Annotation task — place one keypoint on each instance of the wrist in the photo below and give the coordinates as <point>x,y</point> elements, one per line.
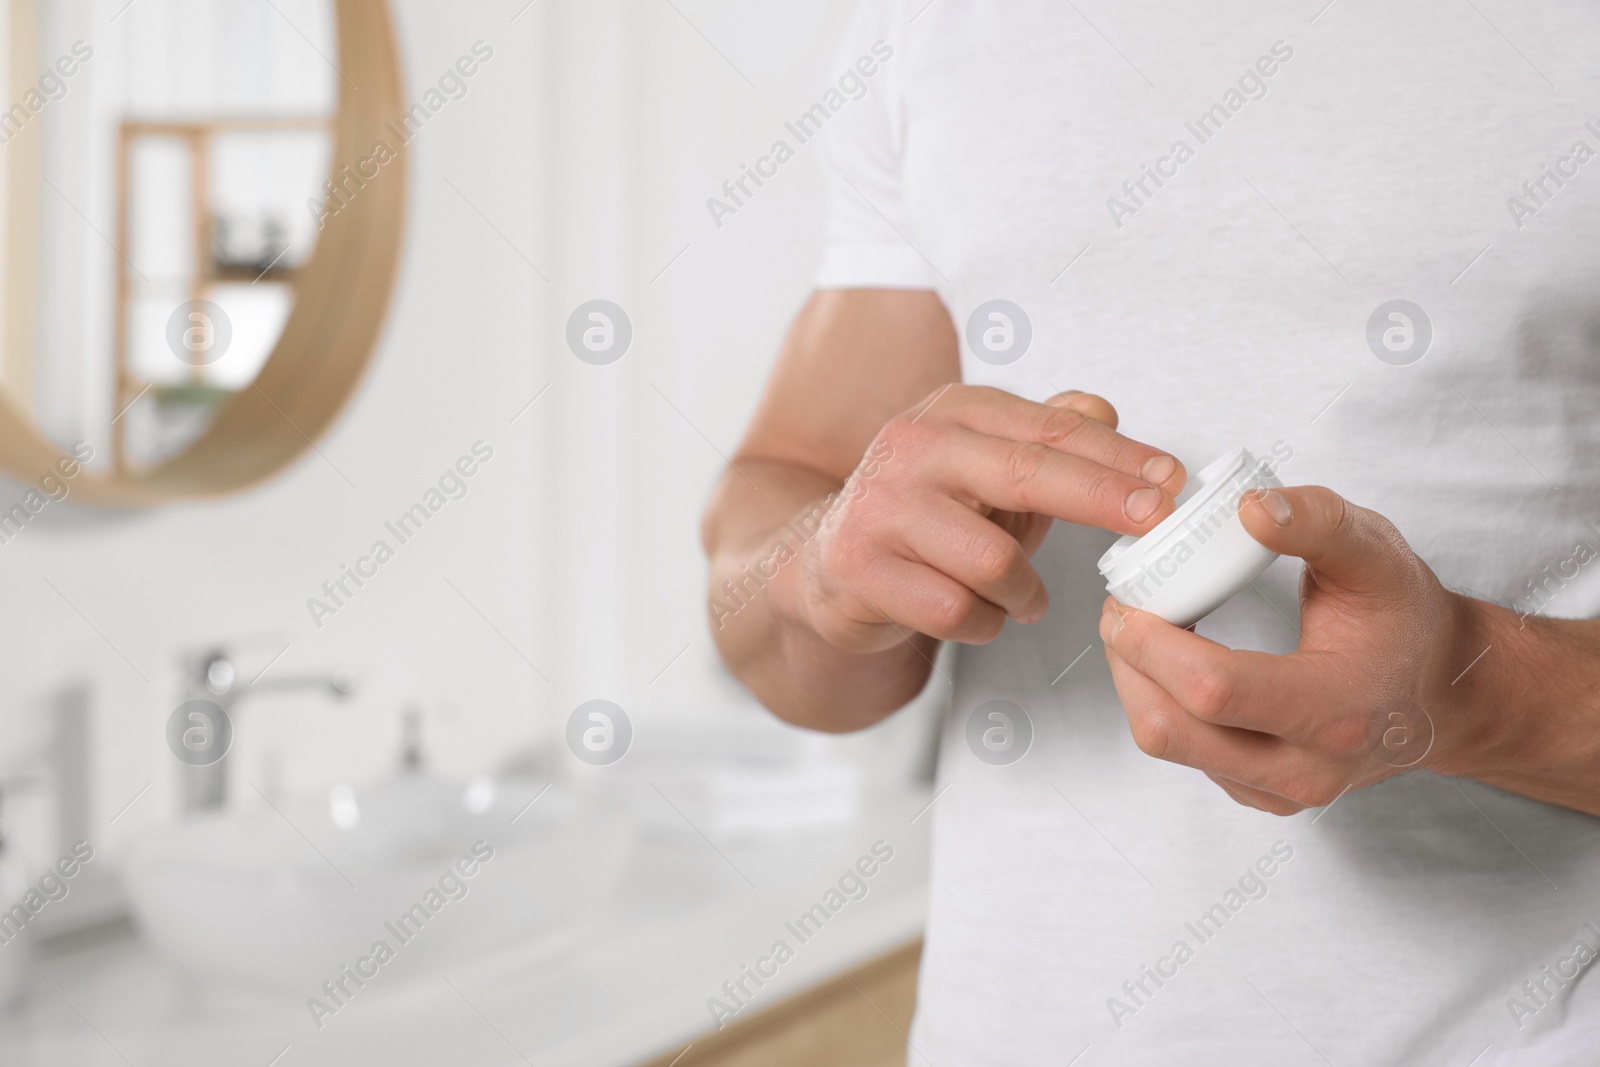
<point>1490,710</point>
<point>797,576</point>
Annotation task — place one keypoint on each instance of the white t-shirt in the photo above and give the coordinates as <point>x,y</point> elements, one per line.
<point>1332,161</point>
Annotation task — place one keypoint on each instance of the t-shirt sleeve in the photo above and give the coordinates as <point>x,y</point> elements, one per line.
<point>868,237</point>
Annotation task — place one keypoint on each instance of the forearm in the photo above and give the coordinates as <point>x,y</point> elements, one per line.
<point>755,540</point>
<point>1526,714</point>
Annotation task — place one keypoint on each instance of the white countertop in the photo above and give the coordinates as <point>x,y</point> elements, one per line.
<point>686,919</point>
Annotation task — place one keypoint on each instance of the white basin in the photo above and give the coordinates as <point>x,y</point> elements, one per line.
<point>283,898</point>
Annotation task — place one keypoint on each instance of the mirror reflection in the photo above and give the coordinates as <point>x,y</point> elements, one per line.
<point>162,188</point>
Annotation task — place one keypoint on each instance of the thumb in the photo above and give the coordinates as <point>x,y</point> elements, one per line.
<point>1345,545</point>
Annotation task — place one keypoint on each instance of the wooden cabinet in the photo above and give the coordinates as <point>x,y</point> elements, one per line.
<point>858,1019</point>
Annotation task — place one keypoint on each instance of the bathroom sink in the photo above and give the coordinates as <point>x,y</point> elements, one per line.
<point>287,895</point>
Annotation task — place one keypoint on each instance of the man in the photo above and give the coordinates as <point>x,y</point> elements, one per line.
<point>1360,238</point>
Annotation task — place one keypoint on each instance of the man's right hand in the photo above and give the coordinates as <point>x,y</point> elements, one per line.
<point>935,530</point>
<point>930,539</point>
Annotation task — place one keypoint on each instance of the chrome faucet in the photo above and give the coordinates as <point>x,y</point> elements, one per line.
<point>212,676</point>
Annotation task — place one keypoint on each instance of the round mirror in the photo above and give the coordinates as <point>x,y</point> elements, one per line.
<point>201,205</point>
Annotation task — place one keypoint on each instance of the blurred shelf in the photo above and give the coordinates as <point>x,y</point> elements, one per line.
<point>253,273</point>
<point>191,394</point>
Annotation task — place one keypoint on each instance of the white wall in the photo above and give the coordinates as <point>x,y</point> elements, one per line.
<point>590,143</point>
<point>656,105</point>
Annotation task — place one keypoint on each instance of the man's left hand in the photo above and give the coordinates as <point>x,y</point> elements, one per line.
<point>1368,693</point>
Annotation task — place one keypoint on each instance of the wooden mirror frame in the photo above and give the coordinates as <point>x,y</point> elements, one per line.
<point>341,300</point>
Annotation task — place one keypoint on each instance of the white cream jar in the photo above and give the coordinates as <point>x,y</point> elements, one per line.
<point>1201,554</point>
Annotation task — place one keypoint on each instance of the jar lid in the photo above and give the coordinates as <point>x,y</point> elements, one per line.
<point>1199,505</point>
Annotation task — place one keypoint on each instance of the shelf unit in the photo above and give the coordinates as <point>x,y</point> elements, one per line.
<point>197,138</point>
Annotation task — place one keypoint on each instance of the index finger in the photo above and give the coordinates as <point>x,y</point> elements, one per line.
<point>1070,427</point>
<point>1277,695</point>
<point>1027,476</point>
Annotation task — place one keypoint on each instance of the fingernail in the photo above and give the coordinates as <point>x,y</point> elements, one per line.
<point>1277,506</point>
<point>1072,392</point>
<point>1141,504</point>
<point>1110,626</point>
<point>1157,469</point>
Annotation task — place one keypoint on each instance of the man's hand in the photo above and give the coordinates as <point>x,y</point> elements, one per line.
<point>833,576</point>
<point>936,536</point>
<point>1368,693</point>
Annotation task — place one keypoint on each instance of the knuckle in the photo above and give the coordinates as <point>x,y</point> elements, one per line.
<point>1057,426</point>
<point>960,394</point>
<point>915,439</point>
<point>835,617</point>
<point>996,560</point>
<point>1342,515</point>
<point>1107,492</point>
<point>1351,523</point>
<point>1023,462</point>
<point>900,433</point>
<point>848,556</point>
<point>1152,732</point>
<point>1210,693</point>
<point>1405,564</point>
<point>835,630</point>
<point>938,403</point>
<point>844,550</point>
<point>953,613</point>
